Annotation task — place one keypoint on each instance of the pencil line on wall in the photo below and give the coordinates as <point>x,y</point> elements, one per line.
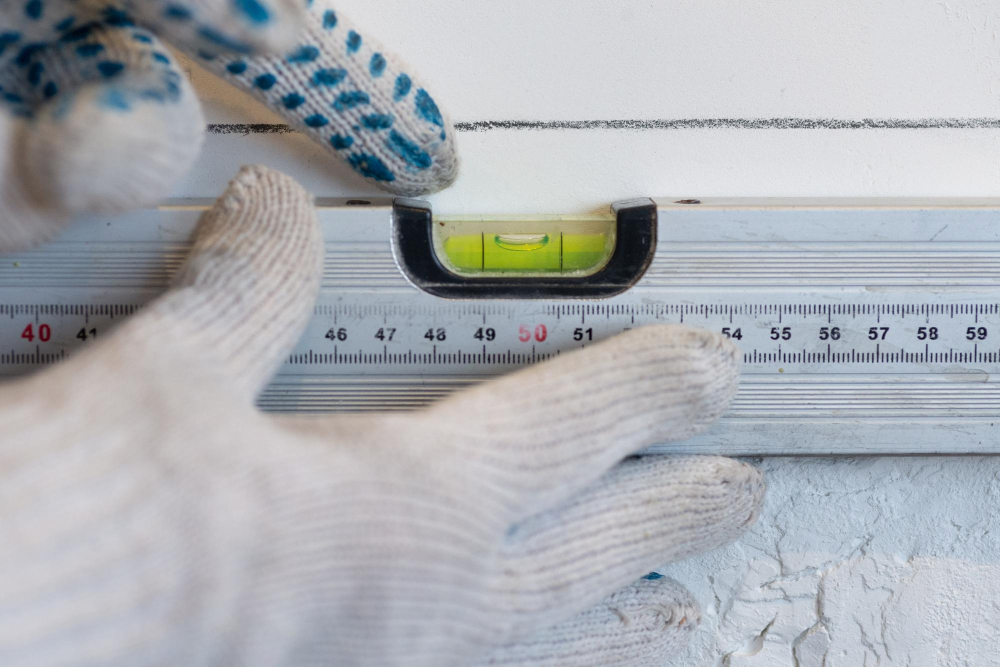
<point>674,124</point>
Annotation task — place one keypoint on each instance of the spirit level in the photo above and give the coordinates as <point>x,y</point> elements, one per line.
<point>866,326</point>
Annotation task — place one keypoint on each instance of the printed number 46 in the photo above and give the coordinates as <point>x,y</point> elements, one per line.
<point>337,334</point>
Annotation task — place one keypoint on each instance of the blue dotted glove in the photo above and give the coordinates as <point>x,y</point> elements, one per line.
<point>100,118</point>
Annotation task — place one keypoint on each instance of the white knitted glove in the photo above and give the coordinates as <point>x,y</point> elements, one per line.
<point>95,115</point>
<point>149,515</point>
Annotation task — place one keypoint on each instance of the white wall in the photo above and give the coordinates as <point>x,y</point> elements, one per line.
<point>855,562</point>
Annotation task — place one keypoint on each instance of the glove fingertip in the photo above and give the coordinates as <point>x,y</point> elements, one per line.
<point>641,625</point>
<point>742,485</point>
<point>247,290</point>
<point>358,101</point>
<point>710,362</point>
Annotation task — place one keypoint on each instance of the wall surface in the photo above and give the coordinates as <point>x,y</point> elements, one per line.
<point>567,105</point>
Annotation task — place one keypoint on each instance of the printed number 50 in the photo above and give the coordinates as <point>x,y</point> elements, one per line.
<point>541,333</point>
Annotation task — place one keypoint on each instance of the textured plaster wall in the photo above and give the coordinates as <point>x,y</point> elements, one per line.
<point>858,562</point>
<point>854,562</point>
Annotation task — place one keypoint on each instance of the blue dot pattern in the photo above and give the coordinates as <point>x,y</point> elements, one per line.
<point>81,50</point>
<point>341,142</point>
<point>353,42</point>
<point>254,11</point>
<point>304,54</point>
<point>377,65</point>
<point>351,99</point>
<point>403,86</point>
<point>336,84</point>
<point>38,24</point>
<point>178,13</point>
<point>377,121</point>
<point>265,81</point>
<point>316,120</point>
<point>293,101</point>
<point>371,167</point>
<point>89,50</point>
<point>329,77</point>
<point>339,101</point>
<point>33,9</point>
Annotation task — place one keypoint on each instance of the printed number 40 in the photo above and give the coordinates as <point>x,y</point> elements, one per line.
<point>44,333</point>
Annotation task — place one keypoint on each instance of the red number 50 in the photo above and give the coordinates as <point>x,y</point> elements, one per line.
<point>541,333</point>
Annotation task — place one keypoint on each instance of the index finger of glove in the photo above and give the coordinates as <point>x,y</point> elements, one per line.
<point>550,431</point>
<point>245,294</point>
<point>362,104</point>
<point>24,220</point>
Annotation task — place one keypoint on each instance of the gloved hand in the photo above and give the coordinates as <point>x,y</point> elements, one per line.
<point>150,515</point>
<point>95,115</point>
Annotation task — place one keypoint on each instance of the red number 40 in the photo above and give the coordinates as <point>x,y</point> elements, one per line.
<point>44,333</point>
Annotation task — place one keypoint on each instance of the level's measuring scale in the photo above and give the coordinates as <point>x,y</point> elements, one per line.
<point>865,326</point>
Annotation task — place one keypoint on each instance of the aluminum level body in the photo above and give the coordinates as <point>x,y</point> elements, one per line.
<point>866,326</point>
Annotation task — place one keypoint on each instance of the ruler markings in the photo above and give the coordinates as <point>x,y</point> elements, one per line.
<point>891,325</point>
<point>841,343</point>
